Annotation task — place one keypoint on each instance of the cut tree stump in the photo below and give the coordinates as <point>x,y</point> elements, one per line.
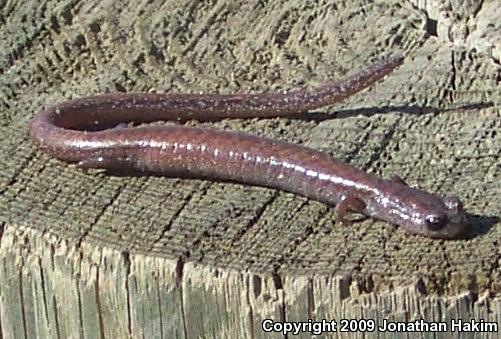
<point>94,255</point>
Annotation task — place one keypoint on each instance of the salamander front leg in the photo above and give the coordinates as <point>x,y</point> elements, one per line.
<point>396,179</point>
<point>347,204</point>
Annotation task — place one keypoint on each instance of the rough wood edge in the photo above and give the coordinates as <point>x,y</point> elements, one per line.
<point>49,288</point>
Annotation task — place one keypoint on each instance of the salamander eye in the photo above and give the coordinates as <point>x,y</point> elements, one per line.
<point>436,222</point>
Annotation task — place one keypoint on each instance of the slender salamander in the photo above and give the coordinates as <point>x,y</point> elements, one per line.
<point>68,131</point>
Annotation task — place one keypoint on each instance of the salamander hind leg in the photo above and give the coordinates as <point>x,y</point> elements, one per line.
<point>103,162</point>
<point>89,163</point>
<point>348,204</point>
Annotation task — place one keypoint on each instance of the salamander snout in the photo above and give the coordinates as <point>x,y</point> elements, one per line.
<point>454,204</point>
<point>449,222</point>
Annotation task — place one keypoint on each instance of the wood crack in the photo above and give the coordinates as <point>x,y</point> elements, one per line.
<point>98,217</point>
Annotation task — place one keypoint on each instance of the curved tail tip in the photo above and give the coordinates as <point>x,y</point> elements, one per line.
<point>396,58</point>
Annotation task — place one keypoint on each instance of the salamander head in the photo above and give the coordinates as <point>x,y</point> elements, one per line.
<point>425,213</point>
<point>447,221</point>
